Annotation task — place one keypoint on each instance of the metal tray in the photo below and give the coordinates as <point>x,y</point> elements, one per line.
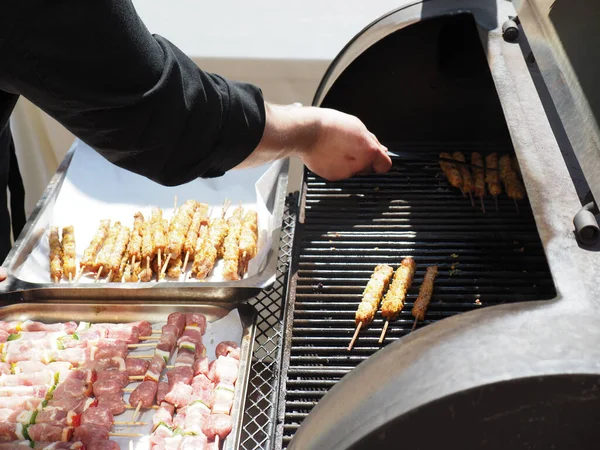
<point>57,311</point>
<point>231,291</point>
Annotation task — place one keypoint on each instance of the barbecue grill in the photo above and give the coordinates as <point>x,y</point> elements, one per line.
<point>517,369</point>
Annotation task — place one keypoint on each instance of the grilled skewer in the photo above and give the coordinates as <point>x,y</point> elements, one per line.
<point>479,175</point>
<point>451,171</point>
<point>103,260</point>
<point>56,264</point>
<point>512,185</point>
<point>116,254</point>
<point>492,176</point>
<point>134,248</point>
<point>378,283</point>
<point>199,218</point>
<point>147,252</point>
<point>178,230</point>
<point>159,239</point>
<point>394,299</point>
<point>465,174</point>
<point>422,302</point>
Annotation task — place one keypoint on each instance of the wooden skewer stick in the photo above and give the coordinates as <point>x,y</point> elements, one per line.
<point>79,275</point>
<point>482,205</point>
<point>128,389</point>
<point>185,261</point>
<point>355,336</point>
<point>132,261</point>
<point>175,204</point>
<point>472,202</point>
<point>136,377</point>
<point>125,434</point>
<point>131,424</point>
<point>70,277</point>
<point>217,441</point>
<point>137,410</point>
<point>517,206</point>
<point>99,273</point>
<point>147,262</point>
<point>148,338</point>
<point>146,344</point>
<point>131,407</point>
<point>141,356</point>
<point>164,267</point>
<point>385,327</point>
<point>56,279</point>
<point>414,326</point>
<point>109,276</point>
<point>159,261</point>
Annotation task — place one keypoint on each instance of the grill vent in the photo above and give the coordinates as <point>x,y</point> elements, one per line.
<point>350,226</point>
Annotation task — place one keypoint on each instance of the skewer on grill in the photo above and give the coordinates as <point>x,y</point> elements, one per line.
<point>451,171</point>
<point>420,307</point>
<point>492,177</point>
<point>378,283</point>
<point>465,174</point>
<point>394,299</point>
<point>479,175</point>
<point>512,185</point>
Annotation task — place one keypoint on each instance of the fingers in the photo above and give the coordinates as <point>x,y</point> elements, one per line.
<point>381,162</point>
<point>3,274</point>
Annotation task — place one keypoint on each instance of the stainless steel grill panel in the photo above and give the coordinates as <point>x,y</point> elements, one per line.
<point>350,226</point>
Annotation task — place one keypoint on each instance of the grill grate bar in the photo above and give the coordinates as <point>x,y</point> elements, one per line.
<point>350,226</point>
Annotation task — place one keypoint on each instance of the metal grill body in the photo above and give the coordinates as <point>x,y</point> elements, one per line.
<point>351,226</point>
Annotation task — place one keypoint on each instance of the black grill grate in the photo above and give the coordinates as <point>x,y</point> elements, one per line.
<point>350,226</point>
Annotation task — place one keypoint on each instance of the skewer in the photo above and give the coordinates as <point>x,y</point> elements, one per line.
<point>164,266</point>
<point>217,441</point>
<point>131,407</point>
<point>109,276</point>
<point>70,278</point>
<point>133,261</point>
<point>394,299</point>
<point>137,410</point>
<point>355,336</point>
<point>185,261</point>
<point>385,327</point>
<point>175,203</point>
<point>125,434</point>
<point>131,424</point>
<point>136,377</point>
<point>482,205</point>
<point>147,262</point>
<point>414,326</point>
<point>99,273</point>
<point>79,275</point>
<point>147,344</point>
<point>56,279</point>
<point>159,260</point>
<point>141,356</point>
<point>128,389</point>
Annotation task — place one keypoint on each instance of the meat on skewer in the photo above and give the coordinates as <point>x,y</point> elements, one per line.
<point>199,219</point>
<point>451,171</point>
<point>103,260</point>
<point>394,299</point>
<point>147,253</point>
<point>134,248</point>
<point>465,174</point>
<point>116,254</point>
<point>178,230</point>
<point>492,176</point>
<point>231,246</point>
<point>159,238</point>
<point>479,174</point>
<point>209,246</point>
<point>56,266</point>
<point>422,302</point>
<point>87,262</point>
<point>512,185</point>
<point>378,283</point>
<point>248,239</point>
<point>69,252</point>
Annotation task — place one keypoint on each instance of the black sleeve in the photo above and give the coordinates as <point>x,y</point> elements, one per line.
<point>134,97</point>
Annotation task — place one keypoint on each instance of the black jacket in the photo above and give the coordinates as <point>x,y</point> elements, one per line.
<point>134,97</point>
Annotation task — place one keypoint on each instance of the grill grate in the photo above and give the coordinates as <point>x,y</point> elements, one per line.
<point>350,226</point>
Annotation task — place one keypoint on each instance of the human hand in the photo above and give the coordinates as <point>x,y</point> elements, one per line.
<point>3,274</point>
<point>332,144</point>
<point>343,147</point>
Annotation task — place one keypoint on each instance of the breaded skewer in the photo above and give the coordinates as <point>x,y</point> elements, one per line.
<point>248,239</point>
<point>465,174</point>
<point>69,252</point>
<point>492,176</point>
<point>479,175</point>
<point>393,301</point>
<point>512,185</point>
<point>231,246</point>
<point>422,302</point>
<point>378,283</point>
<point>159,239</point>
<point>199,218</point>
<point>451,171</point>
<point>177,231</point>
<point>55,259</point>
<point>116,254</point>
<point>209,243</point>
<point>134,248</point>
<point>103,260</point>
<point>88,260</point>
